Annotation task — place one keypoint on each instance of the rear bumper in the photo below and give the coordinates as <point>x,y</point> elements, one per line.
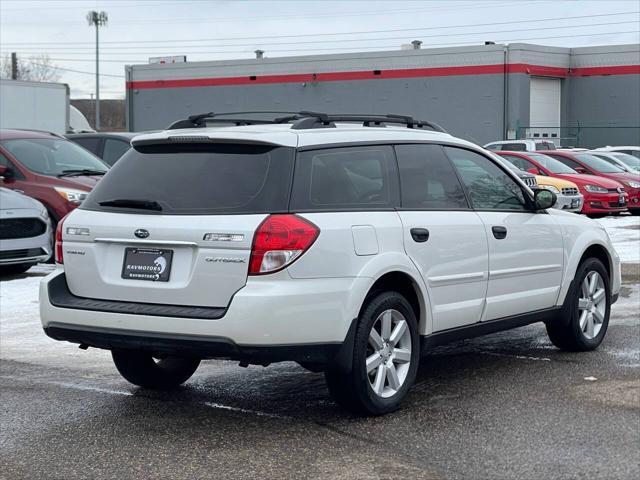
<point>204,347</point>
<point>277,318</point>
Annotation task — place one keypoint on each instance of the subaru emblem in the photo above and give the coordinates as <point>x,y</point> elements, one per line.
<point>141,233</point>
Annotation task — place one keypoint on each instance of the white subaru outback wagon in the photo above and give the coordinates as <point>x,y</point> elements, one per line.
<point>347,243</point>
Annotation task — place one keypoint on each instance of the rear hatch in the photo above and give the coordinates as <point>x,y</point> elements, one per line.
<point>173,224</point>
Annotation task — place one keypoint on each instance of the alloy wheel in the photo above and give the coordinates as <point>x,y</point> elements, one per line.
<point>388,353</point>
<point>592,305</point>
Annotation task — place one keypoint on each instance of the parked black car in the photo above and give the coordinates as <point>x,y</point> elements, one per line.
<point>109,146</point>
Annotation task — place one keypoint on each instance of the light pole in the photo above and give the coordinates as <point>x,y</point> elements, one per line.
<point>99,19</point>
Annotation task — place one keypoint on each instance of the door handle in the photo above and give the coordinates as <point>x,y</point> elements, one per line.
<point>420,235</point>
<point>499,232</point>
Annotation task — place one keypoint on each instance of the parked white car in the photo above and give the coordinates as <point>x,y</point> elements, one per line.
<point>521,145</point>
<point>628,149</point>
<point>25,232</point>
<point>381,243</point>
<point>626,162</point>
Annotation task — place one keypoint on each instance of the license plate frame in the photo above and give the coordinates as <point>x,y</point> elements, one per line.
<point>147,264</point>
<point>621,201</point>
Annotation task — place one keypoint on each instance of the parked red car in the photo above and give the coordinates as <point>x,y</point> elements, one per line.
<point>49,168</point>
<point>602,196</point>
<point>590,164</point>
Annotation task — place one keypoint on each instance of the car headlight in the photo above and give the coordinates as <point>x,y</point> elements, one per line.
<point>551,188</point>
<point>72,196</point>
<point>634,184</point>
<point>595,189</point>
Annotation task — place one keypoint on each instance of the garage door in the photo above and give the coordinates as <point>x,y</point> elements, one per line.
<point>544,108</point>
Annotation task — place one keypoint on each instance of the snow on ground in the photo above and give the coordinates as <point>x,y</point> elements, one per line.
<point>21,335</point>
<point>22,338</point>
<point>625,235</point>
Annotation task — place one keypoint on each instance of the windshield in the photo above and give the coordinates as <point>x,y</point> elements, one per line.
<point>53,156</point>
<point>597,164</point>
<point>551,164</point>
<point>630,160</point>
<point>197,179</point>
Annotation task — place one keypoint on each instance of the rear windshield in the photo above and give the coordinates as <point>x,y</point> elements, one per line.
<point>551,164</point>
<point>197,180</point>
<point>597,164</point>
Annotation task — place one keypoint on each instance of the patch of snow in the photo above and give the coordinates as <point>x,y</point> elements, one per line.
<point>21,336</point>
<point>624,232</point>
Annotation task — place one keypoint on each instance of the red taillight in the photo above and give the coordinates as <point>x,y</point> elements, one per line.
<point>59,257</point>
<point>279,241</point>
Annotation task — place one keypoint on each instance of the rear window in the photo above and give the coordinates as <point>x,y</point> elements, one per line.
<point>352,178</point>
<point>198,180</point>
<point>545,146</point>
<point>514,147</point>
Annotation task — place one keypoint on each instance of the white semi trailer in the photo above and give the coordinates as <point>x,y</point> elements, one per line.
<point>38,106</point>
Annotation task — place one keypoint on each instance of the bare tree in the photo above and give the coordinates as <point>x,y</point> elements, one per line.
<point>42,69</point>
<point>38,68</point>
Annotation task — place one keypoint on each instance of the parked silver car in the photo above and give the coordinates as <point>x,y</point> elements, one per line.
<point>25,232</point>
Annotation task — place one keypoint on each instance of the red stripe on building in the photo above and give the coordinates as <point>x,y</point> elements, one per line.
<point>538,70</point>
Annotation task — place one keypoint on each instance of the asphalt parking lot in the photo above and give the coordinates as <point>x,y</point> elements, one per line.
<point>508,405</point>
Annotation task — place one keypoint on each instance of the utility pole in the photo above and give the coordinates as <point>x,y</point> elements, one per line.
<point>14,66</point>
<point>99,19</point>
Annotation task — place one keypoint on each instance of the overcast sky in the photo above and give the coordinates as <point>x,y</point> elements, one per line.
<point>216,30</point>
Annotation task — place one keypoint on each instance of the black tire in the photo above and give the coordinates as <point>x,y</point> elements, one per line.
<point>635,211</point>
<point>15,269</point>
<point>352,390</point>
<point>568,334</point>
<point>140,368</point>
<point>597,215</point>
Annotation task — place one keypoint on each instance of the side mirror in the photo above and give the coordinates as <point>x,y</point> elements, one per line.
<point>6,173</point>
<point>544,199</point>
<point>533,170</point>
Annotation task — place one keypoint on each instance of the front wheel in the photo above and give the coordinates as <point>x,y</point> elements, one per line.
<point>635,211</point>
<point>145,370</point>
<point>589,309</point>
<point>15,269</point>
<point>386,354</point>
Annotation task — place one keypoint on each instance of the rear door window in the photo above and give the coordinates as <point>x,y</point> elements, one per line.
<point>428,180</point>
<point>114,149</point>
<point>199,179</point>
<point>351,178</point>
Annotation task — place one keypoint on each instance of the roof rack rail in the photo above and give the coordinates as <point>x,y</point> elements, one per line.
<point>305,120</point>
<point>201,120</point>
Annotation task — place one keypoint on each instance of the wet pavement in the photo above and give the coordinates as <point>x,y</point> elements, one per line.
<point>508,405</point>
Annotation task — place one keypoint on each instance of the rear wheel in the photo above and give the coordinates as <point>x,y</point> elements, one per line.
<point>589,310</point>
<point>145,370</point>
<point>385,358</point>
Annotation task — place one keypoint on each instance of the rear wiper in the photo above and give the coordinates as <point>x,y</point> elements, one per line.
<point>84,171</point>
<point>129,203</point>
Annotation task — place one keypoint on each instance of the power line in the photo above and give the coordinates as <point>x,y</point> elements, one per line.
<point>75,71</point>
<point>356,49</point>
<point>324,34</point>
<point>65,50</point>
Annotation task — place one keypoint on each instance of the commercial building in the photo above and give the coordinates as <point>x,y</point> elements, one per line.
<point>577,96</point>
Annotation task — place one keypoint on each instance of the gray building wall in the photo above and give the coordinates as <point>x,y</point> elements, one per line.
<point>469,106</point>
<point>604,110</point>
